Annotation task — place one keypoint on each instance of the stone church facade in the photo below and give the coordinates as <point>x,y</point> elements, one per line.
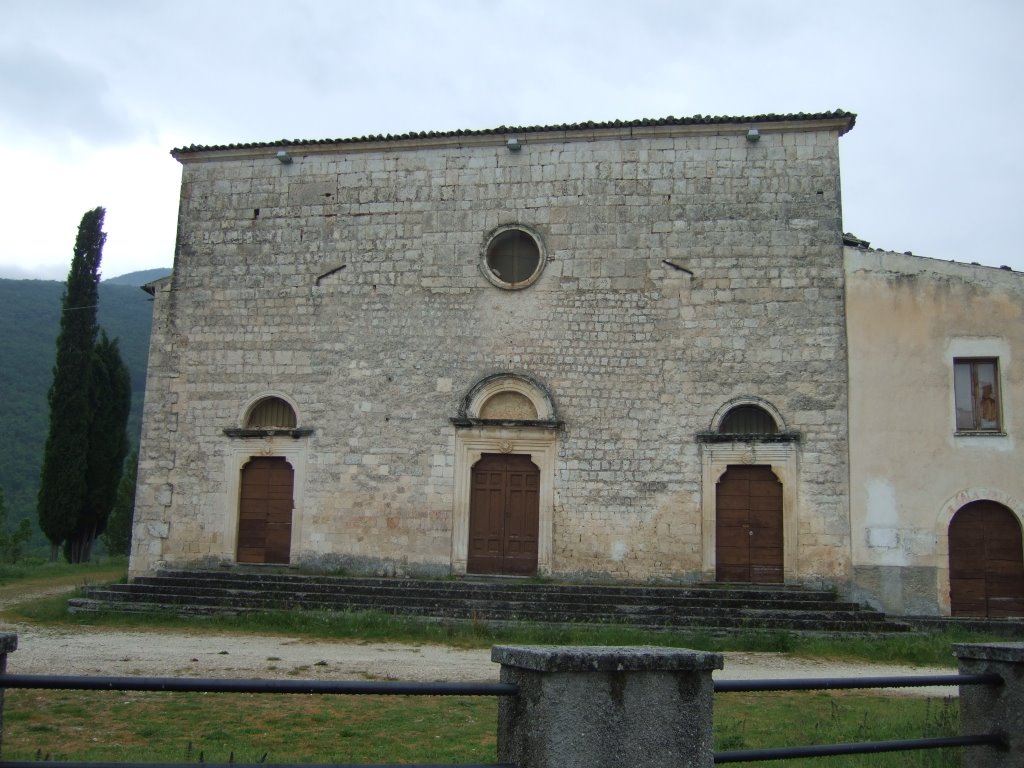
<point>603,351</point>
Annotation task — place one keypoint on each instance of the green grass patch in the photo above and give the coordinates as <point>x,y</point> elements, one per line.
<point>45,586</point>
<point>172,727</point>
<point>43,572</point>
<point>151,727</point>
<point>750,721</point>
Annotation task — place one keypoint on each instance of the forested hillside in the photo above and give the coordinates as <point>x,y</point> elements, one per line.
<point>29,324</point>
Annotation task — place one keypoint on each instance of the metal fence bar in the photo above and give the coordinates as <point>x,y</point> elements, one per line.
<point>215,685</point>
<point>829,683</point>
<point>78,764</point>
<point>858,748</point>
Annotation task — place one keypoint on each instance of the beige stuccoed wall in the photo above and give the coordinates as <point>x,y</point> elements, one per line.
<point>907,318</point>
<point>637,355</point>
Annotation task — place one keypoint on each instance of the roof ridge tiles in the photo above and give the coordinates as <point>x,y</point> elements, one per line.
<point>503,129</point>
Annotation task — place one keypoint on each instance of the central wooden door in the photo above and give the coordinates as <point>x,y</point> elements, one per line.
<point>748,525</point>
<point>986,562</point>
<point>265,511</point>
<point>504,515</point>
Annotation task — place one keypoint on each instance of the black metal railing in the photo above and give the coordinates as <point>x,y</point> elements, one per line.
<point>394,688</point>
<point>856,748</point>
<point>222,685</point>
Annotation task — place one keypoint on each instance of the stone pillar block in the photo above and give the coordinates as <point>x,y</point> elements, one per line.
<point>8,644</point>
<point>598,707</point>
<point>993,708</point>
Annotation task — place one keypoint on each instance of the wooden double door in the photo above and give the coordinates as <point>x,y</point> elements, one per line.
<point>504,515</point>
<point>265,511</point>
<point>748,525</point>
<point>986,562</point>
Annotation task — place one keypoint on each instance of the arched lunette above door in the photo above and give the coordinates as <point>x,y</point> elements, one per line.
<point>513,399</point>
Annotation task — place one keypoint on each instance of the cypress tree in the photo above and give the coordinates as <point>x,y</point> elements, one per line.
<point>63,485</point>
<point>110,400</point>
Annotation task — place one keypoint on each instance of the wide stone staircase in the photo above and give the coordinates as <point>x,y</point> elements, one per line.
<point>712,607</point>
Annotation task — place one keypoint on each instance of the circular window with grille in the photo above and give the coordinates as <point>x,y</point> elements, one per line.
<point>513,257</point>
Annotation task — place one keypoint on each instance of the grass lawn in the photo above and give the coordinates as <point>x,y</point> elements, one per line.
<point>33,574</point>
<point>748,721</point>
<point>154,727</point>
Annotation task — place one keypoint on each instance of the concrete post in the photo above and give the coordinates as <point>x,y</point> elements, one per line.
<point>993,709</point>
<point>8,644</point>
<point>599,707</point>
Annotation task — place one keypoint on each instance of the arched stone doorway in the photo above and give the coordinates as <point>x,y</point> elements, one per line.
<point>506,436</point>
<point>264,481</point>
<point>503,515</point>
<point>986,561</point>
<point>750,449</point>
<point>748,526</point>
<point>265,502</point>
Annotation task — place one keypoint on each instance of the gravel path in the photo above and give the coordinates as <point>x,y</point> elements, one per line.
<point>94,651</point>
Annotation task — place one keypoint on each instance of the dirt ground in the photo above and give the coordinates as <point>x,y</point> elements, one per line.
<point>103,651</point>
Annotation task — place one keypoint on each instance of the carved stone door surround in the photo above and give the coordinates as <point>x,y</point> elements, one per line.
<point>540,444</point>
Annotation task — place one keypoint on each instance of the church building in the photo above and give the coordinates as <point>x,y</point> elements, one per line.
<point>632,351</point>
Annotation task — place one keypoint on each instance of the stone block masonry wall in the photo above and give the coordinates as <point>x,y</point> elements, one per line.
<point>349,282</point>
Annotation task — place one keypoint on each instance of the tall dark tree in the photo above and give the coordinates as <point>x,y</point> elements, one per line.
<point>63,485</point>
<point>110,396</point>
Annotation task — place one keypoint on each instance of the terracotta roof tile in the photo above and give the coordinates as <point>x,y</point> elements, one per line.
<point>503,129</point>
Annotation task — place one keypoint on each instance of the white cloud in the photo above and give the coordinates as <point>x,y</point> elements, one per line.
<point>49,99</point>
<point>35,272</point>
<point>91,105</point>
<point>138,185</point>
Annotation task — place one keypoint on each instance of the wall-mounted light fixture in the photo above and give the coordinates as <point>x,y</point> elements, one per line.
<point>513,144</point>
<point>753,135</point>
<point>283,157</point>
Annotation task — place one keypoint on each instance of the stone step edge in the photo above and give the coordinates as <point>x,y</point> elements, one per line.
<point>624,602</point>
<point>84,605</point>
<point>440,602</point>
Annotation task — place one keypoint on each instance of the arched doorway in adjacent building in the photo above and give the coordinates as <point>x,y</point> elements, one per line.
<point>986,562</point>
<point>504,515</point>
<point>749,525</point>
<point>265,511</point>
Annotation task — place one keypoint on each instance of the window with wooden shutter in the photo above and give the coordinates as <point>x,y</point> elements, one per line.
<point>976,394</point>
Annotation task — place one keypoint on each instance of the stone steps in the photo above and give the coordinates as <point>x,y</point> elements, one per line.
<point>490,603</point>
<point>423,591</point>
<point>489,611</point>
<point>714,607</point>
<point>1010,628</point>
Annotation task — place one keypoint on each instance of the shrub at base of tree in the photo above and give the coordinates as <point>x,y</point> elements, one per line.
<point>118,536</point>
<point>12,543</point>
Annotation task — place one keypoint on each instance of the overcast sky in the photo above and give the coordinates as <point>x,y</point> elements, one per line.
<point>93,95</point>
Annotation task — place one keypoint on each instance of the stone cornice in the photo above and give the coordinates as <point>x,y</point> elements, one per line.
<point>837,121</point>
<point>260,433</point>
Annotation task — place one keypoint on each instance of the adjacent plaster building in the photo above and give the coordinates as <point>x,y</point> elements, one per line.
<point>936,382</point>
<point>604,351</point>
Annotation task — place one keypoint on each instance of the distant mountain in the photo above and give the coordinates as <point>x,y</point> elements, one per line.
<point>138,279</point>
<point>29,324</point>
